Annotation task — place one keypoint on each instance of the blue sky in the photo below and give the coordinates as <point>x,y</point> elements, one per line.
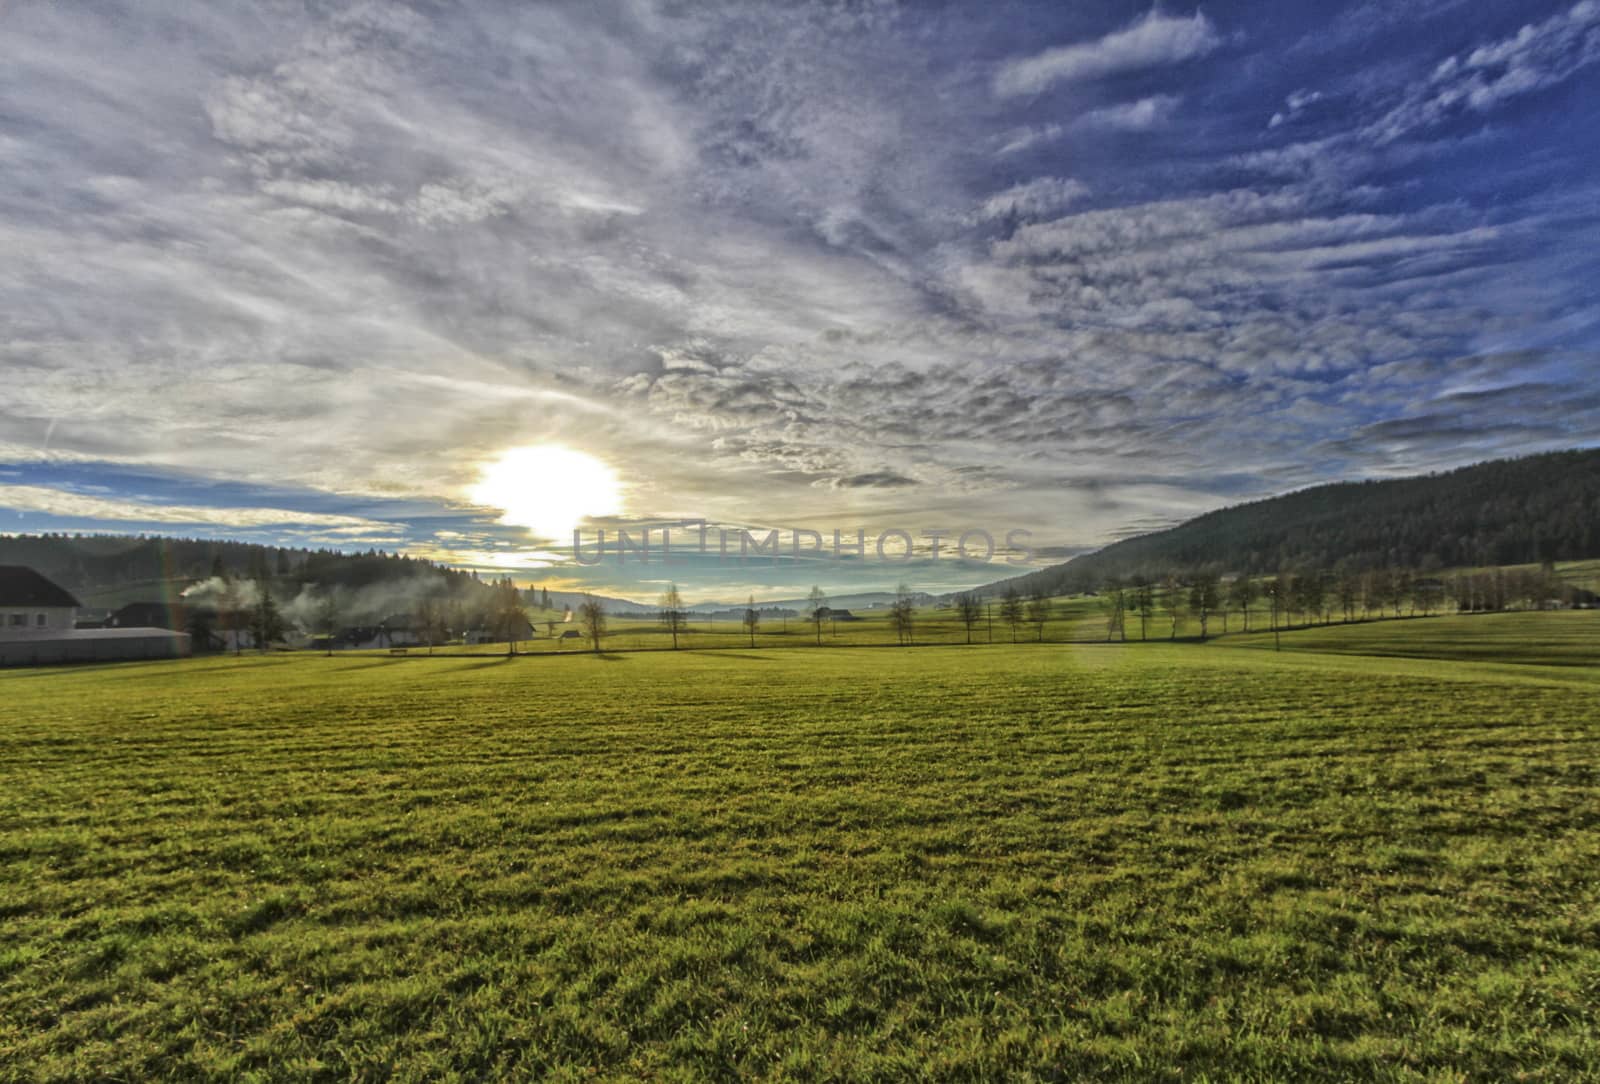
<point>299,273</point>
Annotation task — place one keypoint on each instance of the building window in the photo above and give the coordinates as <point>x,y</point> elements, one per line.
<point>40,619</point>
<point>19,620</point>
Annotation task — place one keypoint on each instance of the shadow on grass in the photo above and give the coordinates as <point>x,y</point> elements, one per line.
<point>489,663</point>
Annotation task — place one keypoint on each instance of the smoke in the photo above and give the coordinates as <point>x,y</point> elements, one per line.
<point>222,594</point>
<point>309,610</point>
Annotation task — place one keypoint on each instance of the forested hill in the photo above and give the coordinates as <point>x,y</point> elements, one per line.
<point>106,571</point>
<point>86,563</point>
<point>1503,512</point>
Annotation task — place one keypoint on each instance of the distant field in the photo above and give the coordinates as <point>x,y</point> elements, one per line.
<point>1071,618</point>
<point>1042,862</point>
<point>1564,638</point>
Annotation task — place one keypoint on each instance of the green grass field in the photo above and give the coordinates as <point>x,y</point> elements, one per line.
<point>1048,862</point>
<point>1561,638</point>
<point>1076,618</point>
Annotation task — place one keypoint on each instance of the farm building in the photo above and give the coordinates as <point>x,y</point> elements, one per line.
<point>32,605</point>
<point>36,626</point>
<point>523,630</point>
<point>395,631</point>
<point>155,615</point>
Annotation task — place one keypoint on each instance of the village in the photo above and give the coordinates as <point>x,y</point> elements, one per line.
<point>42,622</point>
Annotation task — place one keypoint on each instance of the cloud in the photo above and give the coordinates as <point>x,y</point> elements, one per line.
<point>332,196</point>
<point>1018,140</point>
<point>1293,105</point>
<point>883,479</point>
<point>1139,116</point>
<point>1033,199</point>
<point>57,502</point>
<point>1156,39</point>
<point>1477,80</point>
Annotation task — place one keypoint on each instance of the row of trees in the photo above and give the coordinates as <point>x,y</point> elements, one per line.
<point>1292,597</point>
<point>1309,596</point>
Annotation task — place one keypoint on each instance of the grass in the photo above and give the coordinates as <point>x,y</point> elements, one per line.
<point>1071,618</point>
<point>1039,862</point>
<point>1561,638</point>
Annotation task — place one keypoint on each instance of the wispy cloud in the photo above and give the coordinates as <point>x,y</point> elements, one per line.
<point>1153,40</point>
<point>1480,79</point>
<point>1139,116</point>
<point>1020,139</point>
<point>68,504</point>
<point>1293,105</point>
<point>1037,198</point>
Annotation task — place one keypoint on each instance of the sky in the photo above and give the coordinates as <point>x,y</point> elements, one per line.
<point>449,278</point>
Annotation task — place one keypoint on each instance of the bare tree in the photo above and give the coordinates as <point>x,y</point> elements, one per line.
<point>752,619</point>
<point>1144,602</point>
<point>672,615</point>
<point>1240,595</point>
<point>1011,610</point>
<point>1174,602</point>
<point>1399,588</point>
<point>592,619</point>
<point>1039,613</point>
<point>969,609</point>
<point>902,614</point>
<point>1349,594</point>
<point>1276,589</point>
<point>430,621</point>
<point>817,610</point>
<point>1114,604</point>
<point>1203,598</point>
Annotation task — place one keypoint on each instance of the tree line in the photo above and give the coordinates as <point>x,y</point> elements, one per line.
<point>1530,510</point>
<point>1299,597</point>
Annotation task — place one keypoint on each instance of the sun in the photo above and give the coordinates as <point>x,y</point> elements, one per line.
<point>548,489</point>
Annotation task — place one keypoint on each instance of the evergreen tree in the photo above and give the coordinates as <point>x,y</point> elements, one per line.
<point>266,620</point>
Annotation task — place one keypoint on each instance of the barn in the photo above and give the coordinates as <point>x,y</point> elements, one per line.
<point>31,605</point>
<point>36,627</point>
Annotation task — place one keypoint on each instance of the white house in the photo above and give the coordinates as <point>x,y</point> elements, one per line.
<point>32,606</point>
<point>36,627</point>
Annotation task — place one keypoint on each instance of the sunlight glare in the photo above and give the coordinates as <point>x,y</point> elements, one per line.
<point>548,489</point>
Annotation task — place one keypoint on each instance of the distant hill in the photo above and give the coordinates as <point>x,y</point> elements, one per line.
<point>863,600</point>
<point>109,571</point>
<point>1502,512</point>
<point>563,600</point>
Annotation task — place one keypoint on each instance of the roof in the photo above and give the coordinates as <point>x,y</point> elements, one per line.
<point>160,615</point>
<point>22,586</point>
<point>103,634</point>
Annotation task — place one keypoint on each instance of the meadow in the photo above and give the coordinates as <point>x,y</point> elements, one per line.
<point>1049,861</point>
